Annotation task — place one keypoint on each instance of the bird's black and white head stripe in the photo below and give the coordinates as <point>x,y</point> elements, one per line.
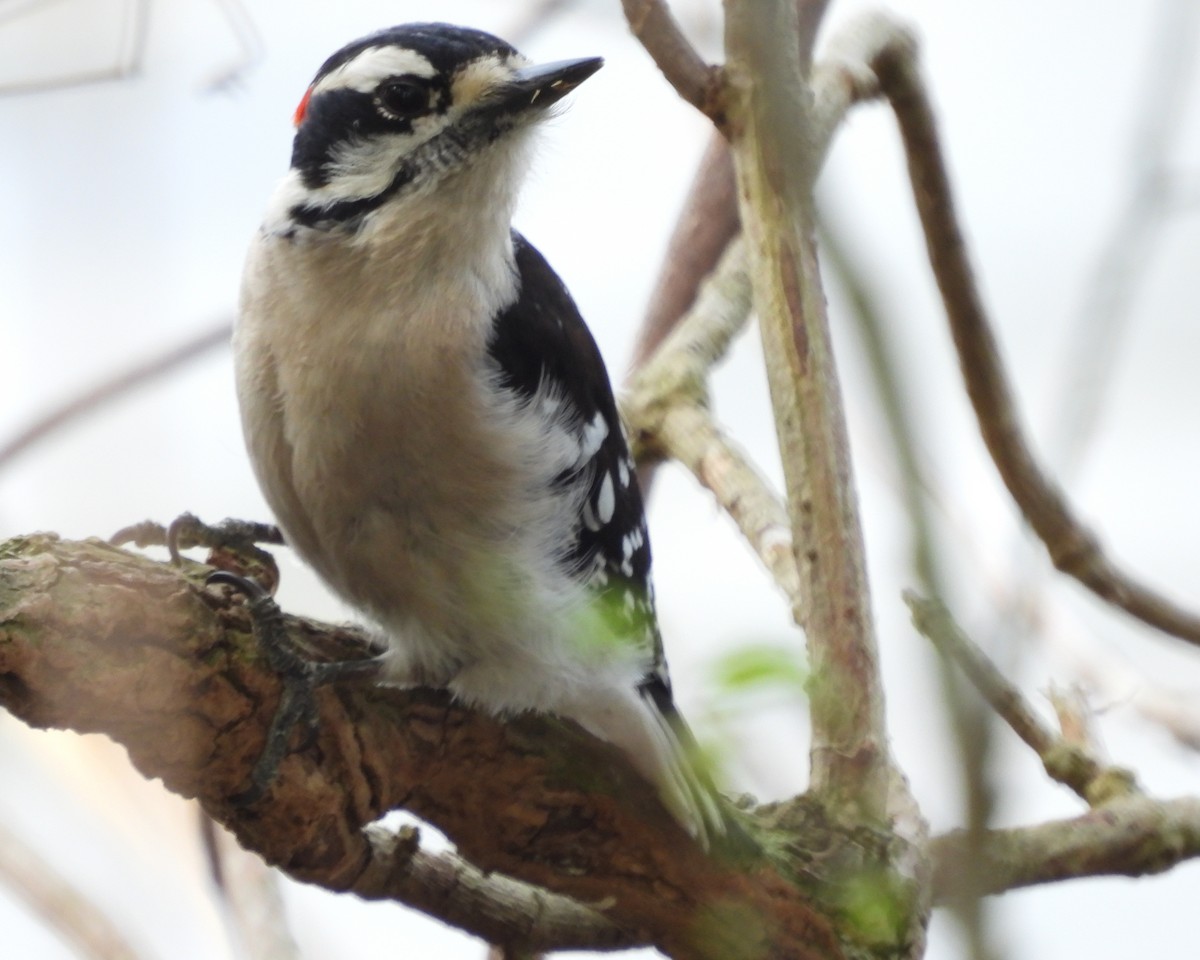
<point>400,109</point>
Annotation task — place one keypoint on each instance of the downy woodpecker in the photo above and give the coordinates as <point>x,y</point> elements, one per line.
<point>429,417</point>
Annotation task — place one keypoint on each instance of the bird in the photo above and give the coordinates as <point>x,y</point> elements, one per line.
<point>429,417</point>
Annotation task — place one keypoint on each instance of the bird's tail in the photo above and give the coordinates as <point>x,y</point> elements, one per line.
<point>650,731</point>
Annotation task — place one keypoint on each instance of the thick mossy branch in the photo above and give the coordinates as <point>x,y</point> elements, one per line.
<point>547,820</point>
<point>97,639</point>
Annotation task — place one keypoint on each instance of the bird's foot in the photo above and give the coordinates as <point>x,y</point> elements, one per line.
<point>300,676</point>
<point>232,544</point>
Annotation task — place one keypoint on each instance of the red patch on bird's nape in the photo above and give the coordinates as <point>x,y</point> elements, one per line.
<point>302,109</point>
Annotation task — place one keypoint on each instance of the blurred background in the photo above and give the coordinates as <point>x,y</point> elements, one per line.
<point>1073,137</point>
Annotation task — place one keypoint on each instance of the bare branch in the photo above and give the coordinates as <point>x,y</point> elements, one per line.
<point>844,76</point>
<point>1069,762</point>
<point>1072,547</point>
<point>254,913</point>
<point>100,640</point>
<point>972,723</point>
<point>1109,291</point>
<point>667,408</point>
<point>694,80</point>
<point>709,219</point>
<point>706,225</point>
<point>116,386</point>
<point>769,112</point>
<point>1132,836</point>
<point>63,908</point>
<point>491,905</point>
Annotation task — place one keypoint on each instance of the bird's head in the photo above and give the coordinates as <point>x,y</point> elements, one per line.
<point>400,112</point>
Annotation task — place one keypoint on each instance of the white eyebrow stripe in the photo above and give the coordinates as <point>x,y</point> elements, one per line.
<point>375,64</point>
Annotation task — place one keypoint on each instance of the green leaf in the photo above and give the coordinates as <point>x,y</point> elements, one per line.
<point>761,665</point>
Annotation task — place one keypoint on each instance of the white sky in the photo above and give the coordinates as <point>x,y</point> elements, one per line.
<point>127,211</point>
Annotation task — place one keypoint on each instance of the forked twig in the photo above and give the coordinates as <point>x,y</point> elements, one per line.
<point>666,400</point>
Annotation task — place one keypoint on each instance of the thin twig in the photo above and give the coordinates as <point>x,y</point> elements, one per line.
<point>254,912</point>
<point>1116,679</point>
<point>874,327</point>
<point>1072,547</point>
<point>694,80</point>
<point>681,365</point>
<point>62,907</point>
<point>706,225</point>
<point>116,386</point>
<point>1126,253</point>
<point>1070,763</point>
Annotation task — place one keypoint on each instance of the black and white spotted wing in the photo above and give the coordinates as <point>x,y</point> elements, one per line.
<point>541,344</point>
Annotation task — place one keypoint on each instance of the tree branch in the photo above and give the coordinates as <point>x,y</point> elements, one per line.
<point>1131,837</point>
<point>667,408</point>
<point>694,80</point>
<point>100,640</point>
<point>491,905</point>
<point>706,225</point>
<point>1069,762</point>
<point>972,723</point>
<point>60,905</point>
<point>112,388</point>
<point>710,219</point>
<point>1072,547</point>
<point>770,107</point>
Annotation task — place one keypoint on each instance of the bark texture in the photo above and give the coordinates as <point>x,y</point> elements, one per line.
<point>98,639</point>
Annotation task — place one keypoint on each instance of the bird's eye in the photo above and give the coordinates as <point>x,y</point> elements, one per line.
<point>403,97</point>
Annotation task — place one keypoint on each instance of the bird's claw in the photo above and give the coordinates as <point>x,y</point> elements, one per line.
<point>231,543</point>
<point>299,675</point>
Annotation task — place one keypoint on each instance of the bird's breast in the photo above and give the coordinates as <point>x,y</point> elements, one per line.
<point>370,422</point>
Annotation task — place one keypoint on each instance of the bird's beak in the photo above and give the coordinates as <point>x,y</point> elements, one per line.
<point>547,83</point>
